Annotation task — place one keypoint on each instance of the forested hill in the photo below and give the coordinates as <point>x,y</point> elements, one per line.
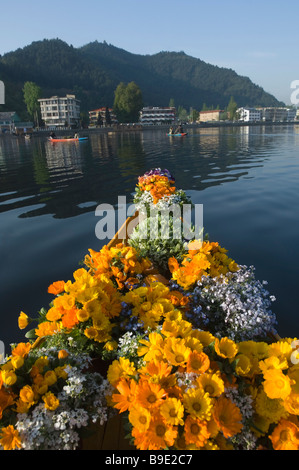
<point>93,72</point>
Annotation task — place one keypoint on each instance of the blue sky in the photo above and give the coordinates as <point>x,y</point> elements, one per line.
<point>257,39</point>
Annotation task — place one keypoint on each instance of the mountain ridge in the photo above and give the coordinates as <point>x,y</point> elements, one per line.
<point>94,70</point>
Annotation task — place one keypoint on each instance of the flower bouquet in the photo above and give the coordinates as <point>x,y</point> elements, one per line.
<point>188,352</point>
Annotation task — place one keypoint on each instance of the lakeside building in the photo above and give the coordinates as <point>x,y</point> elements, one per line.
<point>277,114</point>
<point>249,114</point>
<point>60,111</point>
<point>210,115</point>
<point>98,117</point>
<point>8,119</point>
<point>157,115</point>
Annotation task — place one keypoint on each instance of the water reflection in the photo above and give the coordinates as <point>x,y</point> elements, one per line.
<point>62,176</point>
<point>245,177</point>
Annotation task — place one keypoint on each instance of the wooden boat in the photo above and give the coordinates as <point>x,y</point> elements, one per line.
<point>178,135</point>
<point>70,139</point>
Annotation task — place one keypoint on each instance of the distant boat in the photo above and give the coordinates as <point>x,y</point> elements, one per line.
<point>177,135</point>
<point>66,139</point>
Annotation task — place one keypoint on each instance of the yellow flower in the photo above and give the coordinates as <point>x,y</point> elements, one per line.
<point>273,362</point>
<point>120,368</point>
<point>50,378</point>
<point>17,362</point>
<point>22,407</point>
<point>211,384</point>
<point>91,333</point>
<point>152,348</point>
<point>172,410</point>
<point>10,438</point>
<point>276,384</point>
<point>41,363</point>
<point>271,409</point>
<point>101,322</point>
<point>198,403</point>
<point>8,377</point>
<point>23,321</point>
<point>27,395</point>
<point>226,348</point>
<point>140,418</point>
<point>110,345</point>
<point>61,372</point>
<point>82,315</point>
<point>205,337</point>
<point>243,366</point>
<point>176,352</point>
<point>51,401</point>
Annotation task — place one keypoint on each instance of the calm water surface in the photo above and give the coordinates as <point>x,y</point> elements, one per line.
<point>246,178</point>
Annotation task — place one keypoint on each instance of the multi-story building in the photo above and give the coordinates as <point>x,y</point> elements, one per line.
<point>278,114</point>
<point>98,117</point>
<point>157,115</point>
<point>60,112</point>
<point>249,114</point>
<point>210,115</point>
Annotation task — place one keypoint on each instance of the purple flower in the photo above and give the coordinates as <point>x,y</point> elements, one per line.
<point>158,171</point>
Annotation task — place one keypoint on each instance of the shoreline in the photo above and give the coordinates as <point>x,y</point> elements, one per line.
<point>122,128</point>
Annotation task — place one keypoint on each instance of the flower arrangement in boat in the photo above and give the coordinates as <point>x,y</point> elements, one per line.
<point>155,197</point>
<point>47,396</point>
<point>182,388</point>
<point>193,363</point>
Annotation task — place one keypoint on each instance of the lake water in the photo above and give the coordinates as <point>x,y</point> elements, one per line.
<point>246,178</point>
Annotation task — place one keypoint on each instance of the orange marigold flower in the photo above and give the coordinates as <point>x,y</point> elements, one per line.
<point>70,319</point>
<point>149,395</point>
<point>125,399</point>
<point>196,432</point>
<point>198,362</point>
<point>161,435</point>
<point>56,288</point>
<point>10,438</point>
<point>227,417</point>
<point>22,349</point>
<point>285,436</point>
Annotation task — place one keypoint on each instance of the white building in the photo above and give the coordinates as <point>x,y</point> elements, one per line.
<point>249,114</point>
<point>278,114</point>
<point>63,112</point>
<point>157,115</point>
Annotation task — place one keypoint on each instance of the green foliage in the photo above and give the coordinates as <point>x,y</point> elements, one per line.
<point>32,93</point>
<point>128,102</point>
<point>94,71</point>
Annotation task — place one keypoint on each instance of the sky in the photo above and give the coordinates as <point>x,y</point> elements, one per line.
<point>257,39</point>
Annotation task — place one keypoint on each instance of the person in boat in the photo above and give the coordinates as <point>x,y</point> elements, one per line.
<point>76,136</point>
<point>179,129</point>
<point>52,135</point>
<point>171,130</point>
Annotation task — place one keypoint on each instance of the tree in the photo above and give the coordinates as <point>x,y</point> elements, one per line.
<point>127,102</point>
<point>32,93</point>
<point>107,117</point>
<point>232,109</point>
